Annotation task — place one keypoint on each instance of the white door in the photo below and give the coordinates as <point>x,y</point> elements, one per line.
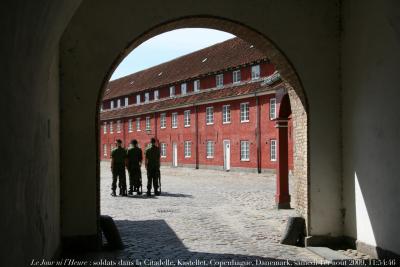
<point>227,155</point>
<point>174,155</point>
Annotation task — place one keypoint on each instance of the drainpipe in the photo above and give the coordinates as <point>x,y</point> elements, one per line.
<point>155,125</point>
<point>258,134</point>
<point>197,136</point>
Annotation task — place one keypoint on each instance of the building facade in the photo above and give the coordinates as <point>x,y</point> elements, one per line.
<point>214,108</point>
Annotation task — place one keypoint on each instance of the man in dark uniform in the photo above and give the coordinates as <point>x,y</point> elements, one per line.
<point>153,167</point>
<point>118,157</point>
<point>134,162</point>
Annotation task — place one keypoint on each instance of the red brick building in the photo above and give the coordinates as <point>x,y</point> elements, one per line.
<point>214,108</point>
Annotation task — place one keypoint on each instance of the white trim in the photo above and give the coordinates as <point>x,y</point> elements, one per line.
<point>275,155</point>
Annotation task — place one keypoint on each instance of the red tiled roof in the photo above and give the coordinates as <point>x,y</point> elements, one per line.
<point>231,53</point>
<point>228,91</point>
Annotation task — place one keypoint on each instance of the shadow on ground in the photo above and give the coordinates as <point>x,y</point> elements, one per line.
<point>154,243</point>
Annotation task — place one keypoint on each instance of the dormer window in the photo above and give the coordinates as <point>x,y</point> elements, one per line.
<point>126,101</point>
<point>112,104</point>
<point>219,80</point>
<point>147,97</point>
<point>156,95</point>
<point>138,99</point>
<point>172,91</point>
<point>236,76</point>
<point>255,72</point>
<point>183,88</point>
<point>196,85</point>
<point>118,103</point>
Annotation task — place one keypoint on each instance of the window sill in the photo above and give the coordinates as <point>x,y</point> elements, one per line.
<point>187,126</point>
<point>138,130</point>
<point>176,127</point>
<point>188,157</point>
<point>246,121</point>
<point>208,157</point>
<point>245,160</point>
<point>209,123</point>
<point>273,160</point>
<point>228,122</point>
<point>163,157</point>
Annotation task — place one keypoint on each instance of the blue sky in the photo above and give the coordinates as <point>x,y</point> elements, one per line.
<point>167,46</point>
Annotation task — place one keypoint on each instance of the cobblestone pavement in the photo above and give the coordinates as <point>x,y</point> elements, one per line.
<point>201,215</point>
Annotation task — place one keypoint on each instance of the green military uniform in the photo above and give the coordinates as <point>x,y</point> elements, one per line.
<point>118,156</point>
<point>135,157</point>
<point>153,167</point>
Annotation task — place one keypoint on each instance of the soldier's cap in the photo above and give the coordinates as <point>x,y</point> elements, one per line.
<point>153,140</point>
<point>118,141</point>
<point>134,142</point>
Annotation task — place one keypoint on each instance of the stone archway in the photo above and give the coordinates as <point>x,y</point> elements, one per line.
<point>99,81</point>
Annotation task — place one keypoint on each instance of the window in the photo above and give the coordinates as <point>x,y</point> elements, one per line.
<point>146,97</point>
<point>210,149</point>
<point>137,124</point>
<point>147,123</point>
<point>105,150</point>
<point>172,91</point>
<point>187,118</point>
<point>130,126</point>
<point>163,120</point>
<point>118,103</point>
<point>118,126</point>
<point>236,76</point>
<point>163,150</point>
<point>219,80</point>
<point>105,127</point>
<point>111,127</point>
<point>272,108</point>
<point>174,120</point>
<point>188,149</point>
<point>273,149</point>
<point>196,85</point>
<point>244,112</point>
<point>255,72</point>
<point>156,95</point>
<point>226,114</point>
<point>244,151</point>
<point>209,115</point>
<point>183,88</point>
<point>112,104</point>
<point>138,99</point>
<point>126,101</point>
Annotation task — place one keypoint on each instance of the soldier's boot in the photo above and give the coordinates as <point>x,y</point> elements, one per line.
<point>130,192</point>
<point>156,192</point>
<point>113,193</point>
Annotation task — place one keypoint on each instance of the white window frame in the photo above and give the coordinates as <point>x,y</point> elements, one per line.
<point>156,95</point>
<point>244,112</point>
<point>226,114</point>
<point>272,108</point>
<point>255,72</point>
<point>118,126</point>
<point>146,97</point>
<point>138,124</point>
<point>273,149</point>
<point>236,76</point>
<point>105,127</point>
<point>111,127</point>
<point>163,120</point>
<point>112,104</point>
<point>196,85</point>
<point>210,149</point>
<point>118,103</point>
<point>183,88</point>
<point>148,123</point>
<point>138,99</point>
<point>174,120</point>
<point>171,91</point>
<point>163,150</point>
<point>188,149</point>
<point>209,115</point>
<point>244,150</point>
<point>105,150</point>
<point>219,80</point>
<point>130,125</point>
<point>126,101</point>
<point>186,118</point>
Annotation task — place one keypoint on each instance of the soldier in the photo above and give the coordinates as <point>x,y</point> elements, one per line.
<point>118,157</point>
<point>152,164</point>
<point>134,162</point>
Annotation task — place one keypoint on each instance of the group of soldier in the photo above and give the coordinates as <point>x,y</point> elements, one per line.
<point>131,159</point>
